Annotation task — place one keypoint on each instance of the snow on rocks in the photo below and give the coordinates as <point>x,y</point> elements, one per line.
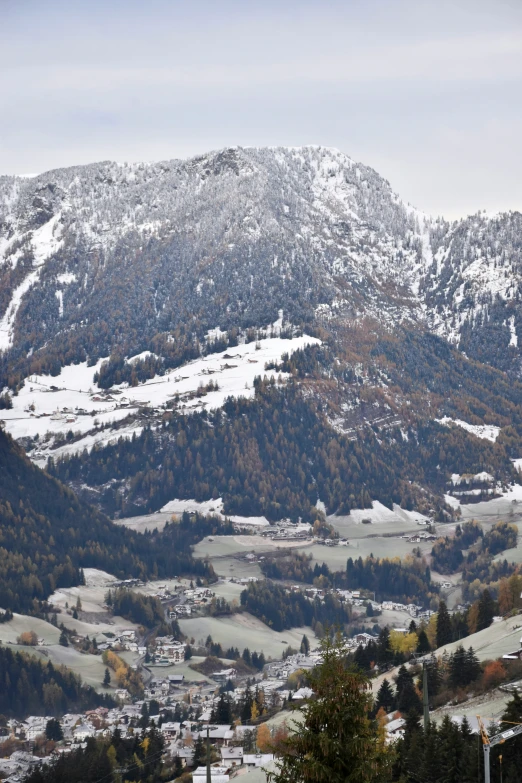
<point>45,242</point>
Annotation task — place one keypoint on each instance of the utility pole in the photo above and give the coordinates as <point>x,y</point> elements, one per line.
<point>425,702</point>
<point>209,776</point>
<point>489,742</point>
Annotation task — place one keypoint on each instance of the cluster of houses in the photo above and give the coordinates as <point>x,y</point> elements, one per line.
<point>192,598</point>
<point>354,598</point>
<point>168,651</point>
<point>418,538</point>
<point>125,639</point>
<point>179,737</point>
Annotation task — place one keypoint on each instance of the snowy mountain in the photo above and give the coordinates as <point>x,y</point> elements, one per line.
<point>92,257</point>
<point>472,287</point>
<point>98,255</point>
<point>131,295</point>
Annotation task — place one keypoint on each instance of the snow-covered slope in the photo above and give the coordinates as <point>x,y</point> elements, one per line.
<point>69,413</point>
<point>106,256</point>
<point>473,285</point>
<point>96,255</point>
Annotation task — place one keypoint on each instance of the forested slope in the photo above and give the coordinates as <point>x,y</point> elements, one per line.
<point>47,535</point>
<point>277,455</point>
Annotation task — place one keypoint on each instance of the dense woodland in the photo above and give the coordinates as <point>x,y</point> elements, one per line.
<point>408,580</point>
<point>448,557</point>
<point>274,456</point>
<point>281,609</point>
<point>47,536</point>
<point>137,608</point>
<point>31,687</point>
<point>451,753</point>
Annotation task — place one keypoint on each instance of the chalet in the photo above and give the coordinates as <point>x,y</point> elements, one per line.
<point>170,731</point>
<point>224,675</point>
<point>176,679</point>
<point>253,760</point>
<point>231,757</point>
<point>219,735</point>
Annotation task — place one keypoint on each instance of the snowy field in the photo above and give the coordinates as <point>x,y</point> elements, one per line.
<point>89,667</point>
<point>72,402</point>
<point>486,431</point>
<point>244,630</point>
<point>158,520</point>
<point>508,507</point>
<point>221,546</point>
<point>383,521</point>
<point>231,566</point>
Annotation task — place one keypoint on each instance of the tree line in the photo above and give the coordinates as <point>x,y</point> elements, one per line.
<point>29,686</point>
<point>47,536</point>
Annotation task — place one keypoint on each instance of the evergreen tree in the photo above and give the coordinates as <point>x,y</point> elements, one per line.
<point>423,644</point>
<point>408,699</point>
<point>444,631</point>
<point>53,730</point>
<point>144,720</point>
<point>305,645</point>
<point>324,749</point>
<point>107,678</point>
<point>385,697</point>
<point>200,752</point>
<point>512,750</point>
<point>384,651</point>
<point>246,705</point>
<point>63,640</point>
<point>486,611</point>
<point>223,713</point>
<point>464,667</point>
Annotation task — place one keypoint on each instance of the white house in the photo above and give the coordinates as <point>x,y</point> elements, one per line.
<point>217,775</point>
<point>257,759</point>
<point>231,757</point>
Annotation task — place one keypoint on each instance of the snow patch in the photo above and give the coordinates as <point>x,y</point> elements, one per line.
<point>211,507</point>
<point>45,241</point>
<point>513,340</point>
<point>485,431</point>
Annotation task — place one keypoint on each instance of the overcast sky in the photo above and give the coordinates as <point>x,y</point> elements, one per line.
<point>428,92</point>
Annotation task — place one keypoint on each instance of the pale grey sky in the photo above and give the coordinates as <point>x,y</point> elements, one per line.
<point>428,92</point>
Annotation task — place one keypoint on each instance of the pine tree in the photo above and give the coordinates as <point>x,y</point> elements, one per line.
<point>200,752</point>
<point>223,714</point>
<point>486,611</point>
<point>385,697</point>
<point>423,644</point>
<point>63,640</point>
<point>305,645</point>
<point>408,699</point>
<point>324,749</point>
<point>512,750</point>
<point>444,632</point>
<point>53,730</point>
<point>384,651</point>
<point>107,678</point>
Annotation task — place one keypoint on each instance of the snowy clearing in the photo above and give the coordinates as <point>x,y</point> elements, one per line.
<point>244,630</point>
<point>486,431</point>
<point>72,402</point>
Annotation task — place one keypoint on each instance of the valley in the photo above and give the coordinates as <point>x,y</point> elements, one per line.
<point>245,399</point>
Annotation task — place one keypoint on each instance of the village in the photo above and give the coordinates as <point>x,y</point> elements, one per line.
<point>184,711</point>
